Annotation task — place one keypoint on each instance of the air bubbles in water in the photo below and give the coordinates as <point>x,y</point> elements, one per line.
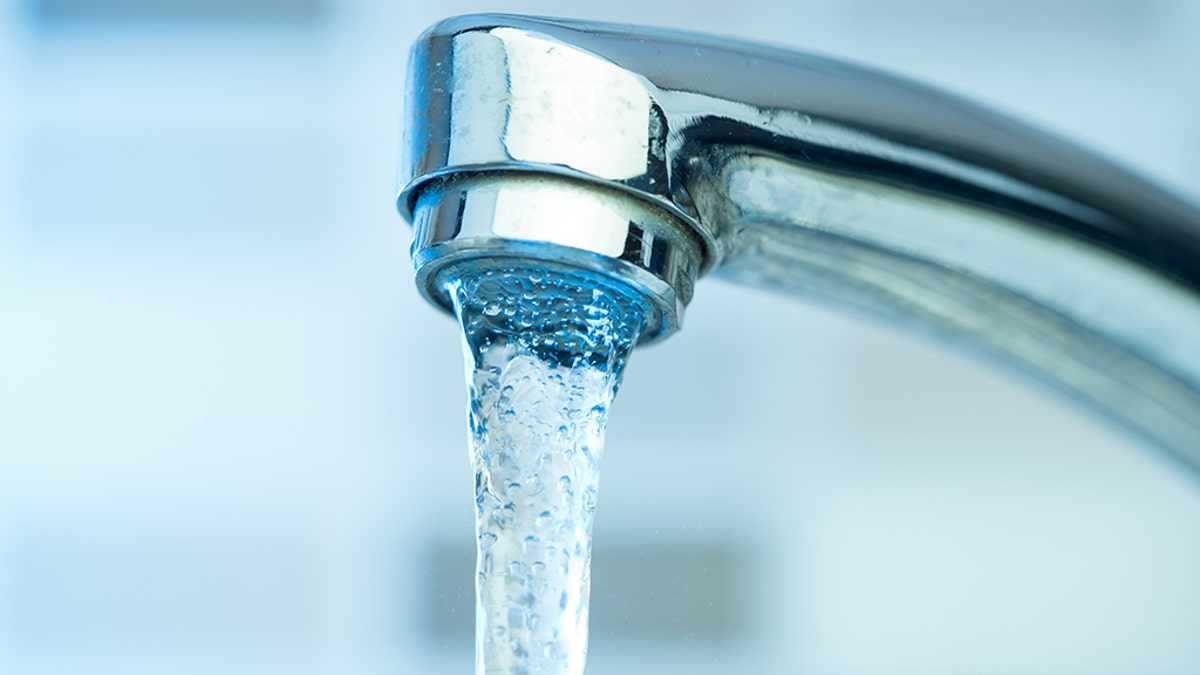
<point>545,350</point>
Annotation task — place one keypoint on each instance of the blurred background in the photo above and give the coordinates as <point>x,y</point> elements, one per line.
<point>232,437</point>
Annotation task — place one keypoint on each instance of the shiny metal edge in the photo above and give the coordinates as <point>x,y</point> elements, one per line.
<point>1082,319</point>
<point>944,214</point>
<point>406,199</point>
<point>536,217</point>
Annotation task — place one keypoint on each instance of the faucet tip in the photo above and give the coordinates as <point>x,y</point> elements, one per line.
<point>496,219</point>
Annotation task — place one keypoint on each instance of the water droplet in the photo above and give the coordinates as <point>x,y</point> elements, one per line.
<point>541,349</point>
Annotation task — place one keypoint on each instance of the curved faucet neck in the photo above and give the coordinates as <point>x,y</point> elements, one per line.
<point>825,179</point>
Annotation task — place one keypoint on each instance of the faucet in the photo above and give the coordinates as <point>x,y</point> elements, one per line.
<point>654,157</point>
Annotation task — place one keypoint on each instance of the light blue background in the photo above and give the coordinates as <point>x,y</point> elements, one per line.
<point>230,431</point>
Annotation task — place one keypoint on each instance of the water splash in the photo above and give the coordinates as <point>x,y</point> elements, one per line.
<point>545,350</point>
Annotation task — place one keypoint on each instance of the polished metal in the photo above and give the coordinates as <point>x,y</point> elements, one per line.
<point>603,143</point>
<point>549,218</point>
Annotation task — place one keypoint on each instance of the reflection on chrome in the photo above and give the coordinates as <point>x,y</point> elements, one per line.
<point>655,157</point>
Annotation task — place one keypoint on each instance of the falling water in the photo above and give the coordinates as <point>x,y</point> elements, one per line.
<point>545,349</point>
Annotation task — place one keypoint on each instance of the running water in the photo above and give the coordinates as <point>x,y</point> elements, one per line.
<point>545,350</point>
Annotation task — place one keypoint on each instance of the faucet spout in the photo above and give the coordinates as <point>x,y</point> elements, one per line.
<point>654,157</point>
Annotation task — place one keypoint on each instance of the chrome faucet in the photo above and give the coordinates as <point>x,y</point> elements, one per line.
<point>654,157</point>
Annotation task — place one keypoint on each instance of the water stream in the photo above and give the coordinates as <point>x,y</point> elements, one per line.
<point>545,350</point>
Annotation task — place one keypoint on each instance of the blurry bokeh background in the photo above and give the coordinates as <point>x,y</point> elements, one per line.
<point>232,436</point>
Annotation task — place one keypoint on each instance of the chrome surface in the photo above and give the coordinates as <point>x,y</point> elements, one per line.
<point>494,214</point>
<point>819,178</point>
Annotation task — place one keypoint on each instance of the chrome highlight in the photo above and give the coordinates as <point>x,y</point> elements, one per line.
<point>653,157</point>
